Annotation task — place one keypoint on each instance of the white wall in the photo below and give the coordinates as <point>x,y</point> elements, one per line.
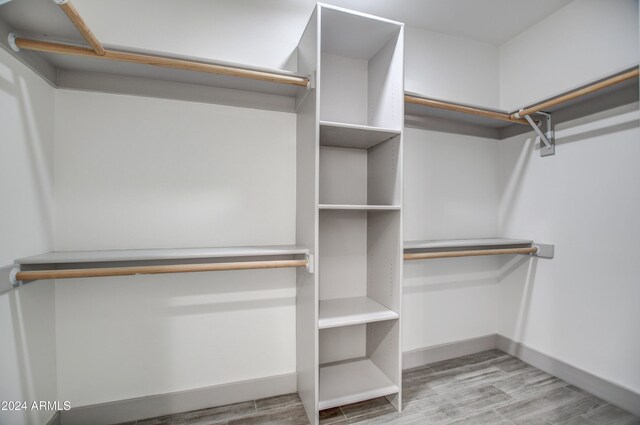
<point>266,33</point>
<point>584,41</point>
<point>450,191</point>
<point>27,331</point>
<point>252,32</point>
<point>452,68</point>
<point>136,172</point>
<point>582,306</point>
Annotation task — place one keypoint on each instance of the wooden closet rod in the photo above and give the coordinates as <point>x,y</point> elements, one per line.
<point>174,268</point>
<point>471,253</point>
<point>79,23</point>
<point>165,62</point>
<point>608,82</point>
<point>461,108</point>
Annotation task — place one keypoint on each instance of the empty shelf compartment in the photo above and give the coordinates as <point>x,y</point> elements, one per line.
<point>352,311</point>
<point>352,381</point>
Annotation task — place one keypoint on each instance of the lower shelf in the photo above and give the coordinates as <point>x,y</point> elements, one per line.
<point>351,382</point>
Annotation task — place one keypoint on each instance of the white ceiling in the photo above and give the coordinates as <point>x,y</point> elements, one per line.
<point>491,21</point>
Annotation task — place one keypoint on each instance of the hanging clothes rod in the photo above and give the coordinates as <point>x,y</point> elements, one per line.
<point>608,82</point>
<point>73,15</point>
<point>487,113</point>
<point>470,253</point>
<point>23,276</point>
<point>161,61</point>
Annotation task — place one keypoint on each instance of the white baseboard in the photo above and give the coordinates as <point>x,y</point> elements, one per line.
<point>436,353</point>
<point>181,401</point>
<point>55,419</point>
<point>606,390</point>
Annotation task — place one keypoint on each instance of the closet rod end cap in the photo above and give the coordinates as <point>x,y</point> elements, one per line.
<point>13,276</point>
<point>12,42</point>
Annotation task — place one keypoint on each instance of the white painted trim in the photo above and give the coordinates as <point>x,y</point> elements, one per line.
<point>436,353</point>
<point>606,390</point>
<point>181,401</point>
<point>55,419</point>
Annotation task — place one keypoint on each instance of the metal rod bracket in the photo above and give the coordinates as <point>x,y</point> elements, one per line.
<point>544,250</point>
<point>302,95</point>
<point>11,39</point>
<point>547,139</point>
<point>310,264</point>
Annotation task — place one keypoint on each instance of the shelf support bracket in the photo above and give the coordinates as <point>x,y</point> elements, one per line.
<point>547,139</point>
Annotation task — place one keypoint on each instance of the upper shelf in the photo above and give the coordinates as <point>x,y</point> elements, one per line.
<point>126,255</point>
<point>81,67</point>
<point>342,135</point>
<point>453,244</point>
<point>442,115</point>
<point>420,107</point>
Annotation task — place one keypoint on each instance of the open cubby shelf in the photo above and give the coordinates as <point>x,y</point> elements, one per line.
<point>342,135</point>
<point>360,207</point>
<point>352,311</point>
<point>352,381</point>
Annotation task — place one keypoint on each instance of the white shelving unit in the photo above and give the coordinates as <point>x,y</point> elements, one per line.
<point>349,209</point>
<point>350,153</point>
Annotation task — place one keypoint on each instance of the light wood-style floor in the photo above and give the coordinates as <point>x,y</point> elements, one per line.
<point>484,388</point>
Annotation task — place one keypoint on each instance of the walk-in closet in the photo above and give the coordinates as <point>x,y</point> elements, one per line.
<point>289,212</point>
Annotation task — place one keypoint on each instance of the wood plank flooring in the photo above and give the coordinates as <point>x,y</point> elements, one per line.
<point>490,387</point>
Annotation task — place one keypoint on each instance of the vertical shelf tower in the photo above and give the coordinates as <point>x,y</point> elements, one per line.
<point>349,209</point>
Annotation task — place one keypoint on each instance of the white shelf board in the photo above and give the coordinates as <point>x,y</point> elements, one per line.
<point>464,243</point>
<point>352,311</point>
<point>342,135</point>
<point>359,207</point>
<point>352,381</point>
<point>62,257</point>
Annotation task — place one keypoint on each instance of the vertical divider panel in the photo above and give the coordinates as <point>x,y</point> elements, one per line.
<point>386,85</point>
<point>384,229</point>
<point>307,157</point>
<point>383,173</point>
